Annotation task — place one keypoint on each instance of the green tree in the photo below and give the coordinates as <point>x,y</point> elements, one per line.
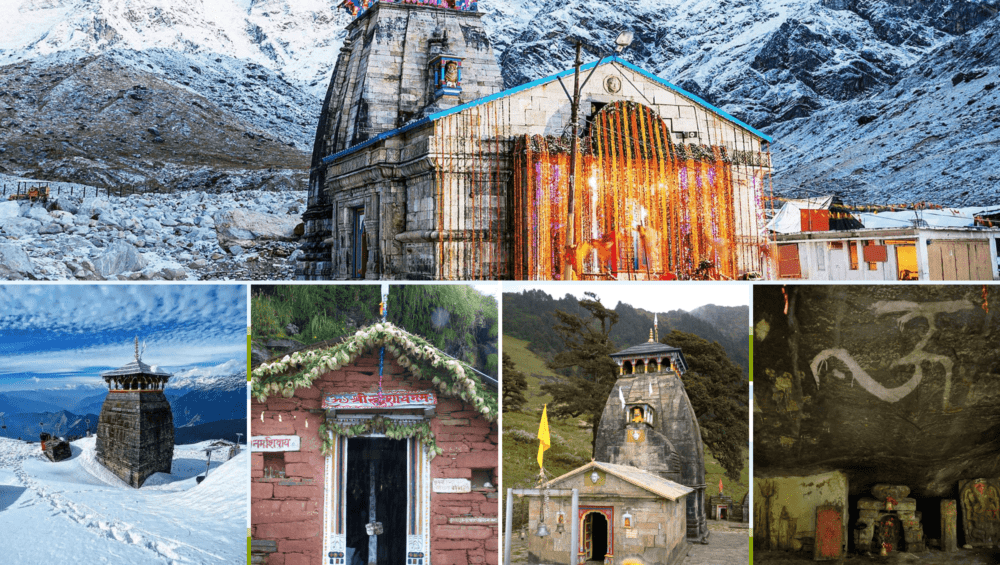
<point>514,385</point>
<point>719,395</point>
<point>587,348</point>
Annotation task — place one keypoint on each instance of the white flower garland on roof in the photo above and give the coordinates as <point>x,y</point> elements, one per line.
<point>453,378</point>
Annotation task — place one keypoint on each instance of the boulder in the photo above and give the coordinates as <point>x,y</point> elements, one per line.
<point>69,204</point>
<point>39,214</point>
<point>258,353</point>
<point>291,329</point>
<point>50,228</point>
<point>92,207</point>
<point>13,260</point>
<point>63,218</point>
<point>55,449</point>
<point>9,209</point>
<point>245,228</point>
<point>84,270</point>
<point>19,227</point>
<point>119,257</point>
<point>177,274</point>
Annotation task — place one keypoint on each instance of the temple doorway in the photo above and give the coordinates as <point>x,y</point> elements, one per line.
<point>375,501</point>
<point>595,537</point>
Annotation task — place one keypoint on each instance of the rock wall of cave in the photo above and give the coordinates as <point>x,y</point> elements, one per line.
<point>887,384</point>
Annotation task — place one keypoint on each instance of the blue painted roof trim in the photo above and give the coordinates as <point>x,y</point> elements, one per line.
<point>539,82</point>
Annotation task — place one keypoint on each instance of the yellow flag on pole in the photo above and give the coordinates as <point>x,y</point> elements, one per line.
<point>543,435</point>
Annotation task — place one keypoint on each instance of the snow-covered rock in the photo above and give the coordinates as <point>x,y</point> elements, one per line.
<point>39,214</point>
<point>9,209</point>
<point>14,261</point>
<point>244,228</point>
<point>92,207</point>
<point>19,227</point>
<point>118,258</point>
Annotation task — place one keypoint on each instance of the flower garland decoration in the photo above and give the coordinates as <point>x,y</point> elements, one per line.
<point>453,378</point>
<point>421,431</point>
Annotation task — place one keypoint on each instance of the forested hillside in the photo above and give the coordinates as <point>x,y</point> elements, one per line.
<point>529,316</point>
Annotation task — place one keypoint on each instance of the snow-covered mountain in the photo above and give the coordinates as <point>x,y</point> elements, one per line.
<point>931,136</point>
<point>230,375</point>
<point>298,38</point>
<point>257,69</point>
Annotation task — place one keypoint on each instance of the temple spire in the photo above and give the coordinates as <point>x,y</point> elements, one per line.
<point>136,348</point>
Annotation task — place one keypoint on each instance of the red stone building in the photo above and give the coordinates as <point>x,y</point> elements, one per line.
<point>341,475</point>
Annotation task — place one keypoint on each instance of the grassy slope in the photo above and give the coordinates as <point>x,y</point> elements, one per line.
<point>570,442</point>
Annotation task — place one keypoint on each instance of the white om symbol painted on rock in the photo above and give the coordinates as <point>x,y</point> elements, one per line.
<point>916,357</point>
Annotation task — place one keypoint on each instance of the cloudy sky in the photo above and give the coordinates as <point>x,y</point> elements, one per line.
<point>653,297</point>
<point>65,335</point>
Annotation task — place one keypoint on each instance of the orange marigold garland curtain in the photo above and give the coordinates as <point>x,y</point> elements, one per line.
<point>647,207</point>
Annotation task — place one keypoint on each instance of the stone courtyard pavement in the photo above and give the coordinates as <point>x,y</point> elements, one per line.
<point>977,556</point>
<point>725,547</point>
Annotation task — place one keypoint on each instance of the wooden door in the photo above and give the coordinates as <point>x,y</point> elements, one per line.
<point>788,261</point>
<point>959,260</point>
<point>829,541</point>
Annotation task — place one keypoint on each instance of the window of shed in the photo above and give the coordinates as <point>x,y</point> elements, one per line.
<point>274,465</point>
<point>483,479</point>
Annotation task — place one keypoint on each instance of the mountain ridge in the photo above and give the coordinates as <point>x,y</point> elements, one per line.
<point>805,71</point>
<point>528,316</point>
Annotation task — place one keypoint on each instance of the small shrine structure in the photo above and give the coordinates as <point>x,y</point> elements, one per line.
<point>378,449</point>
<point>626,516</point>
<point>135,431</point>
<point>642,499</point>
<point>889,522</point>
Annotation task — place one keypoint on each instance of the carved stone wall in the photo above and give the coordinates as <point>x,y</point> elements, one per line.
<point>671,447</point>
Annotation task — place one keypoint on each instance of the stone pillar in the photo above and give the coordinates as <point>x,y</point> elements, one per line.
<point>949,526</point>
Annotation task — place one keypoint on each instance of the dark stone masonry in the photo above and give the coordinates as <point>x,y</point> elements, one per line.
<point>135,432</point>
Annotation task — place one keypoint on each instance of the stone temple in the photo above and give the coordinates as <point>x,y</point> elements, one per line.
<point>642,498</point>
<point>425,168</point>
<point>648,422</point>
<point>135,431</point>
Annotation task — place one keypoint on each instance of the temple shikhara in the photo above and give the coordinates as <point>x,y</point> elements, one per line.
<point>135,431</point>
<point>425,168</point>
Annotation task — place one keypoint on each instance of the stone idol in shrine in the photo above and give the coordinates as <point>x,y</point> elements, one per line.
<point>890,521</point>
<point>981,511</point>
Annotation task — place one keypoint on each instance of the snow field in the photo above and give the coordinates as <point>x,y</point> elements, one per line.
<point>78,509</point>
